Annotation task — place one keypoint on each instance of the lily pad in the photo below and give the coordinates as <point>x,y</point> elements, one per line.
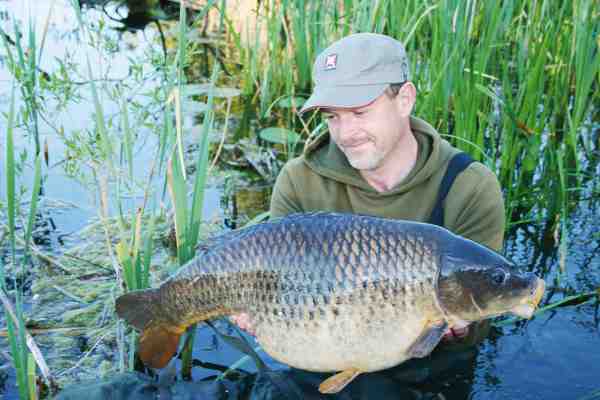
<point>198,89</point>
<point>226,92</point>
<point>279,135</point>
<point>291,101</point>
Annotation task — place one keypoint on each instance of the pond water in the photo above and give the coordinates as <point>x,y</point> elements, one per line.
<point>553,356</point>
<point>64,42</point>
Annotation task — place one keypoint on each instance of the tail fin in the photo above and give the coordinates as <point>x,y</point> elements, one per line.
<point>159,339</point>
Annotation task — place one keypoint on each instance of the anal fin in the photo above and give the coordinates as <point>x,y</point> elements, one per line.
<point>427,341</point>
<point>338,381</point>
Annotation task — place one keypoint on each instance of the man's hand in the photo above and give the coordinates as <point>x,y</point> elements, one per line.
<point>243,322</point>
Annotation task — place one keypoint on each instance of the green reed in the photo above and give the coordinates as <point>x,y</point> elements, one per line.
<point>16,332</point>
<point>585,62</point>
<point>188,215</point>
<point>135,246</point>
<point>510,82</point>
<point>23,65</point>
<point>134,250</point>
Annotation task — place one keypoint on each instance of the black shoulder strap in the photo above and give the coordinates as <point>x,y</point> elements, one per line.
<point>457,164</point>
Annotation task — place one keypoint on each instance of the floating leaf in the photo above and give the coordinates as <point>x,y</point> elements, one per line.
<point>226,92</point>
<point>198,89</point>
<point>291,101</point>
<point>279,135</point>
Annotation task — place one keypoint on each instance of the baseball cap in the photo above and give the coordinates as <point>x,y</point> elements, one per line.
<point>355,70</point>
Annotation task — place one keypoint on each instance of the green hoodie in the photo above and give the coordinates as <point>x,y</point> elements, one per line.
<point>323,180</point>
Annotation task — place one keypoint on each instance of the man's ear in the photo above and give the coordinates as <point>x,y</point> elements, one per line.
<point>405,99</point>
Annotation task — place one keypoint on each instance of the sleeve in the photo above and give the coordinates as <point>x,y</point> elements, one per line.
<point>477,207</point>
<point>284,199</point>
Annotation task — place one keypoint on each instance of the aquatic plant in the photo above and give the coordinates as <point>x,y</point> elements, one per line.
<point>15,321</point>
<point>16,339</point>
<point>133,263</point>
<point>24,68</point>
<point>188,216</point>
<point>501,80</point>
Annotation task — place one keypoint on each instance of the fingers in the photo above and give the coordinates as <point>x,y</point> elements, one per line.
<point>455,333</point>
<point>243,322</point>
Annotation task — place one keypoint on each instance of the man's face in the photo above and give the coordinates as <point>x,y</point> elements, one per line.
<point>367,135</point>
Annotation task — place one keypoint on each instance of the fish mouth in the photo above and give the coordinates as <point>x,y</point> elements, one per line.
<point>527,307</point>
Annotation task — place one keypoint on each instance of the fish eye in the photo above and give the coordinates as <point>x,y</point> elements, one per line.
<point>499,276</point>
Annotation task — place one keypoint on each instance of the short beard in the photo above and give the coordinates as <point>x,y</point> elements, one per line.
<point>366,163</point>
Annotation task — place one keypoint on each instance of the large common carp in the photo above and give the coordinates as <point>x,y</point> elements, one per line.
<point>334,292</point>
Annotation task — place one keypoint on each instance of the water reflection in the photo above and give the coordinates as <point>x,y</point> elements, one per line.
<point>135,15</point>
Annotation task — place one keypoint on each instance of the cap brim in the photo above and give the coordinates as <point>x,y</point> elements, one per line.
<point>343,96</point>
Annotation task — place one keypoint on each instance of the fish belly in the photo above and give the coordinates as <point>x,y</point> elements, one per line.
<point>359,336</point>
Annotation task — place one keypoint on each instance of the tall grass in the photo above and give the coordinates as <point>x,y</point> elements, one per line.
<point>17,343</point>
<point>131,256</point>
<point>188,216</point>
<point>24,67</point>
<point>113,158</point>
<point>23,64</point>
<point>510,82</point>
<point>134,249</point>
<point>16,331</point>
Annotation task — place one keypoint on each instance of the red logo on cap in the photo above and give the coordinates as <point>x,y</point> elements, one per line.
<point>331,62</point>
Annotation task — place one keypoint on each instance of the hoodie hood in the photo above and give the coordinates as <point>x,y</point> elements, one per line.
<point>325,158</point>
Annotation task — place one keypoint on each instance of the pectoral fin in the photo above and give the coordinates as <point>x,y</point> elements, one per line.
<point>338,381</point>
<point>425,343</point>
